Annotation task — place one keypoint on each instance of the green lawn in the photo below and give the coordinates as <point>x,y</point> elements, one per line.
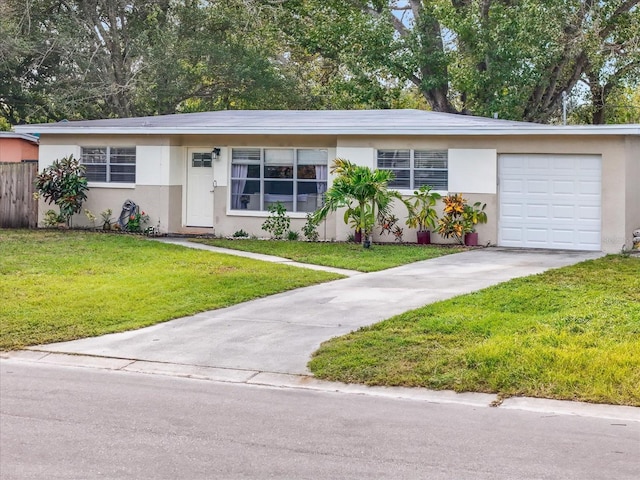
<point>571,333</point>
<point>338,254</point>
<point>57,286</point>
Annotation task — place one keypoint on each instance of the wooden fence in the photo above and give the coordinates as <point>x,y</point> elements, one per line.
<point>18,208</point>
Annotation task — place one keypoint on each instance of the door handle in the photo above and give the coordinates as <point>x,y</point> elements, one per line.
<point>213,186</point>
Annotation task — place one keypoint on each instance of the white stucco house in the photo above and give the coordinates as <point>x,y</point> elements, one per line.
<point>558,187</point>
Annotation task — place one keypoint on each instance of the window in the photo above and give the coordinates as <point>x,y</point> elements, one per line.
<point>261,177</point>
<point>414,168</point>
<point>109,164</point>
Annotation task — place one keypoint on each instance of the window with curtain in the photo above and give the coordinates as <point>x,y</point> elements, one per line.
<point>415,168</point>
<point>261,177</point>
<point>109,164</point>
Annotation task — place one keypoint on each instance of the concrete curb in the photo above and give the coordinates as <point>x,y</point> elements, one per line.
<point>306,382</point>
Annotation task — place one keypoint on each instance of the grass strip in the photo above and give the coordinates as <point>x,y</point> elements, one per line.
<point>571,333</point>
<point>58,286</point>
<point>350,256</point>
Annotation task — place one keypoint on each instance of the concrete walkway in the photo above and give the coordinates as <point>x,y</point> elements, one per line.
<point>277,334</point>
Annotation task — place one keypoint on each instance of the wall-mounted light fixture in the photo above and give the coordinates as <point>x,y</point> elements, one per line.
<point>215,153</point>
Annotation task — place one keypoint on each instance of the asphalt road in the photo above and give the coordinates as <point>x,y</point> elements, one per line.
<point>65,422</point>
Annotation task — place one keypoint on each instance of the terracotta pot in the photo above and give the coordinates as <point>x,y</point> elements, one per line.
<point>424,237</point>
<point>357,237</point>
<point>471,239</point>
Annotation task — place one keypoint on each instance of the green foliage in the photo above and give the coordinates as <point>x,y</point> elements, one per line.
<point>52,219</point>
<point>120,58</point>
<point>338,254</point>
<point>473,215</point>
<point>240,234</point>
<point>80,284</point>
<point>310,228</point>
<point>422,215</point>
<point>278,222</point>
<point>389,225</point>
<point>137,221</point>
<point>107,219</point>
<point>64,184</point>
<point>510,58</point>
<point>459,217</point>
<point>452,223</point>
<point>293,236</point>
<point>571,333</point>
<point>356,217</point>
<point>362,191</point>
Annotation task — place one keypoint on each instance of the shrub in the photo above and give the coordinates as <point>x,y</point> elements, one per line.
<point>240,234</point>
<point>310,229</point>
<point>64,184</point>
<point>278,222</point>
<point>292,235</point>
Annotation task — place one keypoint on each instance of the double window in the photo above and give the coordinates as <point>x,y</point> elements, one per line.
<point>109,164</point>
<point>415,168</point>
<point>295,177</point>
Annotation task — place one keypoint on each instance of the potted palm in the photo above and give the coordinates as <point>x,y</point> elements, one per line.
<point>471,216</point>
<point>354,218</point>
<point>358,187</point>
<point>422,215</point>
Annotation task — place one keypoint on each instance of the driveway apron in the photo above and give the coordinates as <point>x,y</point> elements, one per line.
<point>280,332</point>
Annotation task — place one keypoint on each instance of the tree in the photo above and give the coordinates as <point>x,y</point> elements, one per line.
<point>64,184</point>
<point>478,56</point>
<point>359,188</point>
<point>84,59</point>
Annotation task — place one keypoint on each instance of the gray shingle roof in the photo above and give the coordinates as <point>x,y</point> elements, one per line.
<point>301,122</point>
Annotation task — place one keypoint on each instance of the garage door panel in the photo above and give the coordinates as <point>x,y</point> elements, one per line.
<point>513,235</point>
<point>550,201</point>
<point>536,235</point>
<point>537,211</point>
<point>538,186</point>
<point>589,187</point>
<point>513,186</point>
<point>536,163</point>
<point>512,211</point>
<point>564,187</point>
<point>563,212</point>
<point>589,213</point>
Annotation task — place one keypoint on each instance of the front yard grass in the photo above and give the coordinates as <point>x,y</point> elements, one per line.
<point>571,333</point>
<point>350,256</point>
<point>57,286</point>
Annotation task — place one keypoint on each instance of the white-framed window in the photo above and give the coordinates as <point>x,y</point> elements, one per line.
<point>295,177</point>
<point>415,168</point>
<point>109,164</point>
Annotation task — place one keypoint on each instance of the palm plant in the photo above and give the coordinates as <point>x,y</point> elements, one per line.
<point>422,213</point>
<point>360,189</point>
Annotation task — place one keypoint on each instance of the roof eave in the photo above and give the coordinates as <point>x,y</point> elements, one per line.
<point>333,131</point>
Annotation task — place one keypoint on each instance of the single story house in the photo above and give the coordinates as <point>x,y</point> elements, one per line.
<point>557,187</point>
<point>18,147</point>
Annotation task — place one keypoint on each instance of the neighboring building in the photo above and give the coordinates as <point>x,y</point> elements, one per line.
<point>561,187</point>
<point>18,147</point>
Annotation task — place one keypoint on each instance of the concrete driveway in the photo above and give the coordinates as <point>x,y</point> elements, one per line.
<point>279,333</point>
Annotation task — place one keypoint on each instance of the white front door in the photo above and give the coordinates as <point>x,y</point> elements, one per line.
<point>200,186</point>
<point>550,201</point>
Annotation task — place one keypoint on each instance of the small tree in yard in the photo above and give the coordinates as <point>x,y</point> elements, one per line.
<point>359,189</point>
<point>64,184</point>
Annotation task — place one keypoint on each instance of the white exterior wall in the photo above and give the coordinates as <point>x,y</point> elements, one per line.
<point>49,153</point>
<point>473,170</point>
<point>360,156</point>
<point>153,165</point>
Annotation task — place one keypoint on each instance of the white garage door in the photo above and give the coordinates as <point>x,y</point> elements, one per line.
<point>550,201</point>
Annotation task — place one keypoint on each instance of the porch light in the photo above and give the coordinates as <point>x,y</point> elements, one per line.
<point>215,153</point>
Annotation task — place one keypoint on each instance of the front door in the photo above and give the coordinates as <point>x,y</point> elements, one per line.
<point>200,186</point>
